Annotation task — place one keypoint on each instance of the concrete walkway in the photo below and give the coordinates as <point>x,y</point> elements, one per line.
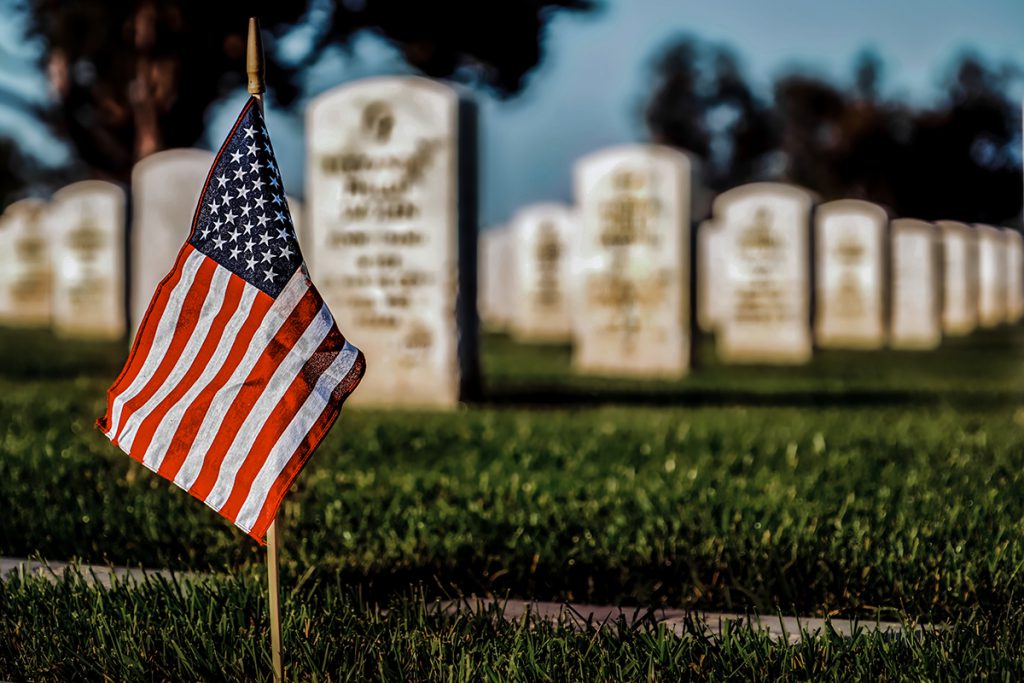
<point>90,573</point>
<point>777,628</point>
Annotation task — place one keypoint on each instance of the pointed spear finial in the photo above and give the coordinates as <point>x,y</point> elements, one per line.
<point>254,58</point>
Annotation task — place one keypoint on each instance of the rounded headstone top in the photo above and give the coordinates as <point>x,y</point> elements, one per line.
<point>913,224</point>
<point>87,187</point>
<point>852,206</point>
<point>22,213</point>
<point>186,155</point>
<point>24,206</point>
<point>953,226</point>
<point>633,152</point>
<point>742,192</point>
<point>985,227</point>
<point>384,84</point>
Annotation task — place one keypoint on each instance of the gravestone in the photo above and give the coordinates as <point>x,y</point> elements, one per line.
<point>916,286</point>
<point>960,278</point>
<point>542,238</point>
<point>710,273</point>
<point>86,224</point>
<point>765,315</point>
<point>165,192</point>
<point>850,274</point>
<point>298,213</point>
<point>5,250</point>
<point>494,266</point>
<point>391,200</point>
<point>1014,276</point>
<point>27,265</point>
<point>632,263</point>
<point>991,276</point>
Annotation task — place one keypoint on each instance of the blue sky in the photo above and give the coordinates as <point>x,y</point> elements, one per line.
<point>589,91</point>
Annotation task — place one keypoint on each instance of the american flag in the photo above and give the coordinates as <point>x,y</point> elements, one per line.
<point>237,371</point>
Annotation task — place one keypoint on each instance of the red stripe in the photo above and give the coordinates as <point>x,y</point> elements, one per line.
<point>306,448</point>
<point>254,385</point>
<point>232,295</point>
<point>191,420</point>
<point>144,338</point>
<point>183,328</point>
<point>279,419</point>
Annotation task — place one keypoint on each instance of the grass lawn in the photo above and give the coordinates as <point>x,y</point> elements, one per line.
<point>877,484</point>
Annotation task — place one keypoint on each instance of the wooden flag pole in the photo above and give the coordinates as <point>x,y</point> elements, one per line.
<point>255,69</point>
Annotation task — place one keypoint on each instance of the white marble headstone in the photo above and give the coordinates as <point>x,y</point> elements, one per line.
<point>297,210</point>
<point>766,286</point>
<point>5,251</point>
<point>165,192</point>
<point>494,268</point>
<point>710,275</point>
<point>86,225</point>
<point>632,312</point>
<point>393,233</point>
<point>27,267</point>
<point>1014,276</point>
<point>850,260</point>
<point>991,276</point>
<point>916,285</point>
<point>542,236</point>
<point>960,278</point>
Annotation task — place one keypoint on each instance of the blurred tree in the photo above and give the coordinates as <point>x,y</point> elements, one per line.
<point>810,112</point>
<point>136,76</point>
<point>957,159</point>
<point>13,167</point>
<point>960,159</point>
<point>702,104</point>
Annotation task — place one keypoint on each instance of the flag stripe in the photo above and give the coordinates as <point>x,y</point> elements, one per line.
<point>256,384</point>
<point>277,423</point>
<point>226,391</point>
<point>306,429</point>
<point>272,396</point>
<point>181,426</point>
<point>143,341</point>
<point>237,303</point>
<point>191,308</point>
<point>161,339</point>
<point>183,360</point>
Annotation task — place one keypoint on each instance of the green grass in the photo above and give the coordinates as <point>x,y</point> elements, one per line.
<point>987,366</point>
<point>216,629</point>
<point>730,490</point>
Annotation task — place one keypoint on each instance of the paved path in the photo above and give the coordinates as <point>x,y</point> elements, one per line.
<point>91,573</point>
<point>775,627</point>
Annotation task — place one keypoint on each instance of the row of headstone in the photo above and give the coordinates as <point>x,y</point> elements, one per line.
<point>62,262</point>
<point>391,244</point>
<point>623,289</point>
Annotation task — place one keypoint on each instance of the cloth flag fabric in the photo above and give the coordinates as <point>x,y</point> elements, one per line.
<point>238,370</point>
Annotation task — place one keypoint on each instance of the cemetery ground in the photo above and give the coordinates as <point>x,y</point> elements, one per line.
<point>883,485</point>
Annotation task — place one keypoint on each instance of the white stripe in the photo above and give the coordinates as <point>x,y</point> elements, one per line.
<point>297,430</point>
<point>165,431</point>
<point>279,382</point>
<point>275,318</point>
<point>161,340</point>
<point>210,309</point>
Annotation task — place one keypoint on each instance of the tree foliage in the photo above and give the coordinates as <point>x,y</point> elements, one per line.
<point>955,158</point>
<point>136,76</point>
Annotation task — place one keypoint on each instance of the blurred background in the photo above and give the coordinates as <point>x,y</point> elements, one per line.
<point>914,105</point>
<point>875,477</point>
